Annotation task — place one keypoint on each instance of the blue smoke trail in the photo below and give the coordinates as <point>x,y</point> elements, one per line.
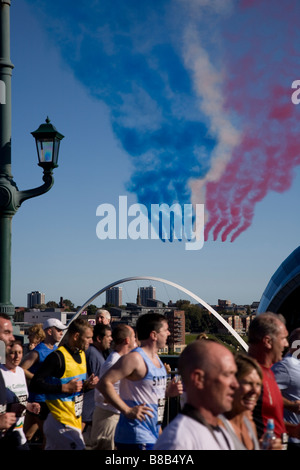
<point>129,55</point>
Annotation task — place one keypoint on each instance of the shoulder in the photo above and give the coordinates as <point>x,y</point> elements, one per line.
<point>31,356</point>
<point>110,361</point>
<point>20,371</point>
<point>181,434</point>
<point>134,355</point>
<point>112,358</point>
<point>132,365</point>
<point>283,365</point>
<point>56,357</point>
<point>93,356</point>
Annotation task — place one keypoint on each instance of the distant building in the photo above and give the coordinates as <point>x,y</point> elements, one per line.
<point>114,296</point>
<point>254,306</point>
<point>36,315</point>
<point>224,304</point>
<point>176,322</point>
<point>240,323</point>
<point>175,318</point>
<point>35,298</point>
<point>147,293</point>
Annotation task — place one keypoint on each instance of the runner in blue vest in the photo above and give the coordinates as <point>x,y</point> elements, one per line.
<point>143,386</point>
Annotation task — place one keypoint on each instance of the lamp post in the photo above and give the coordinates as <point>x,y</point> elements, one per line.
<point>47,143</point>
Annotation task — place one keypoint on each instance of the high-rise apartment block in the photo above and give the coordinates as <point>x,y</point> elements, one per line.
<point>147,293</point>
<point>35,298</point>
<point>114,296</point>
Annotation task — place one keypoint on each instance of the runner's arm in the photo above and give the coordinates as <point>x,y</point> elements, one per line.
<point>50,367</point>
<point>27,362</point>
<point>128,366</point>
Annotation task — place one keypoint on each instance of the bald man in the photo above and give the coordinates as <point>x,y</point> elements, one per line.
<point>208,373</point>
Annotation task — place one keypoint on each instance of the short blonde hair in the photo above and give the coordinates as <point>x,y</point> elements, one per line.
<point>37,332</point>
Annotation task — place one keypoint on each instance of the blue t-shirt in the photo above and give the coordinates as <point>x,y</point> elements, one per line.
<point>94,361</point>
<point>287,375</point>
<point>43,351</point>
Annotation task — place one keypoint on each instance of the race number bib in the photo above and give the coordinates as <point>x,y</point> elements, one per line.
<point>78,405</point>
<point>22,399</point>
<point>161,410</point>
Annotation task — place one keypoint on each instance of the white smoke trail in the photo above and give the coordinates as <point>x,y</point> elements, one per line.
<point>207,81</point>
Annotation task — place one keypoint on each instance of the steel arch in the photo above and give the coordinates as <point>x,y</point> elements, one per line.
<point>173,284</point>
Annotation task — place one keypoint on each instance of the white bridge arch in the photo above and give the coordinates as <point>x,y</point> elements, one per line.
<point>165,281</point>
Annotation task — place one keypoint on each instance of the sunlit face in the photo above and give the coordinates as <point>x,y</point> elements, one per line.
<point>6,331</point>
<point>249,390</point>
<point>162,335</point>
<point>86,339</point>
<point>106,340</point>
<point>220,382</point>
<point>56,334</point>
<point>14,356</point>
<point>279,343</point>
<point>132,339</point>
<point>102,319</point>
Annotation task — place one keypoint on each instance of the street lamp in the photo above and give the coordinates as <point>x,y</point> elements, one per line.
<point>47,142</point>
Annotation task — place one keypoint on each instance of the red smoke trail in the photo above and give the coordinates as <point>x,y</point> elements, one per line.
<point>260,95</point>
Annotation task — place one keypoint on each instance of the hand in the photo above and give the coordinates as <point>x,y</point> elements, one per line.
<point>174,388</point>
<point>139,412</point>
<point>34,408</point>
<point>276,444</point>
<point>7,420</point>
<point>296,406</point>
<point>74,386</point>
<point>92,381</point>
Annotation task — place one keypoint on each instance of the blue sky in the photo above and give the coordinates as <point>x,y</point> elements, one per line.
<point>185,102</point>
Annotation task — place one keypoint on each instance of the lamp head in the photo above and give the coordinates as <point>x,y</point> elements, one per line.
<point>47,143</point>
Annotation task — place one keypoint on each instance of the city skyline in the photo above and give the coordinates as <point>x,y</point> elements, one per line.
<point>104,298</point>
<point>66,76</point>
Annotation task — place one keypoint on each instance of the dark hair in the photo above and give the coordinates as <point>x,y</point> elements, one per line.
<point>121,332</point>
<point>5,316</point>
<point>245,364</point>
<point>100,331</point>
<point>78,326</point>
<point>14,343</point>
<point>147,323</point>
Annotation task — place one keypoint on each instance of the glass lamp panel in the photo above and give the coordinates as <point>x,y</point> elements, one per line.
<point>45,150</point>
<point>55,151</point>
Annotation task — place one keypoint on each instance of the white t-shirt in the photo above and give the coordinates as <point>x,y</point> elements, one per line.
<point>99,398</point>
<point>185,433</point>
<point>17,392</point>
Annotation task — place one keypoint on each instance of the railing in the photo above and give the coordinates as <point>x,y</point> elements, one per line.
<point>173,404</point>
